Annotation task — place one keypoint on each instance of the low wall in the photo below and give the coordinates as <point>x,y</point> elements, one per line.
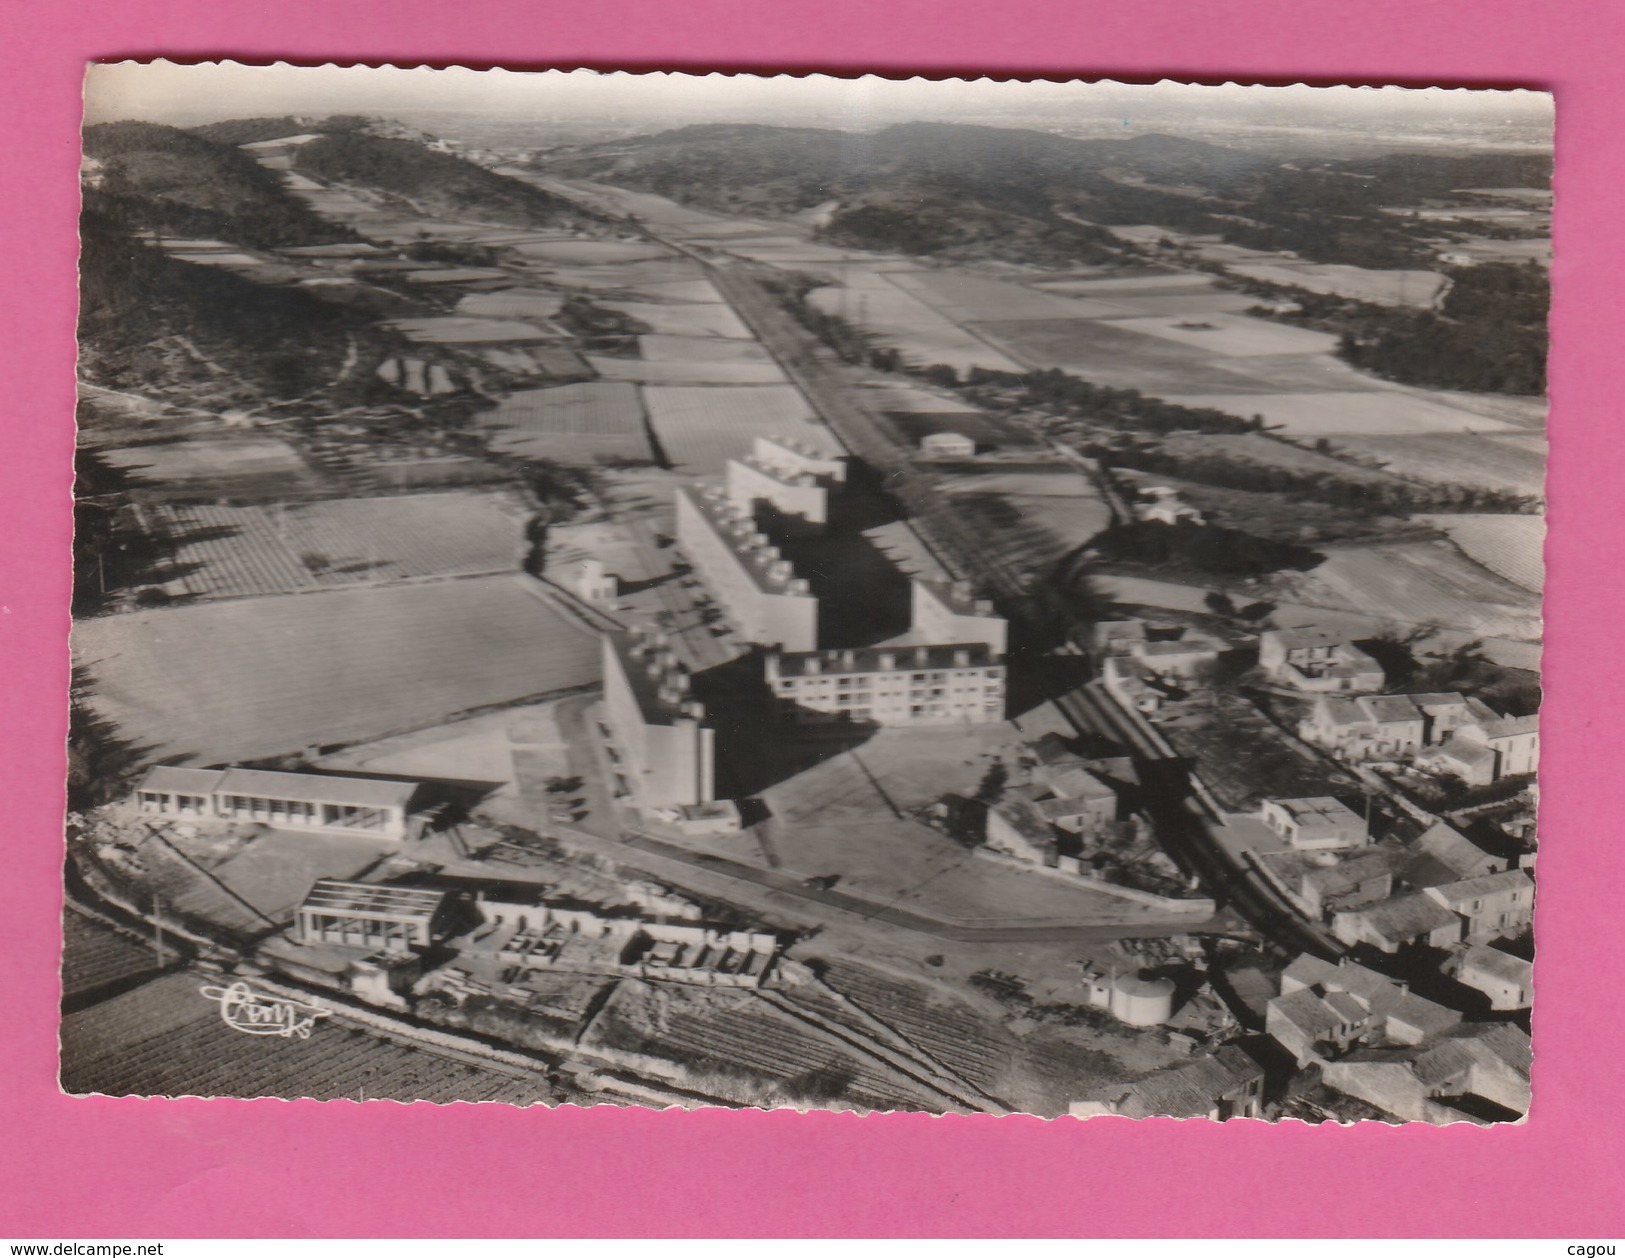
<point>1200,907</point>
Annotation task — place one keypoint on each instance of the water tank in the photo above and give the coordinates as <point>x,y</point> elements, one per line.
<point>1142,1001</point>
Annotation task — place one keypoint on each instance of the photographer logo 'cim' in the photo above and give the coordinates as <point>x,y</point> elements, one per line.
<point>256,1013</point>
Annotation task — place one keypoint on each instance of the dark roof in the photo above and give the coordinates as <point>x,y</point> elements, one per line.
<point>173,780</point>
<point>318,788</point>
<point>1407,917</point>
<point>1185,1091</point>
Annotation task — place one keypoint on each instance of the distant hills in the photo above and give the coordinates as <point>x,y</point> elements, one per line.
<point>954,189</point>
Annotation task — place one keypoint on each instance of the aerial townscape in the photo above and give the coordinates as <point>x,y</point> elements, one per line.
<point>981,609</point>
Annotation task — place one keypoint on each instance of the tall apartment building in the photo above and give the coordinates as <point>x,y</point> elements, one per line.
<point>946,613</point>
<point>954,684</point>
<point>664,754</point>
<point>787,479</point>
<point>756,586</point>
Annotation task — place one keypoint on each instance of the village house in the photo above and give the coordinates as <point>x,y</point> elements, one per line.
<point>1324,1010</point>
<point>1487,749</point>
<point>1399,922</point>
<point>1494,905</point>
<point>1507,980</point>
<point>1321,883</point>
<point>1443,854</point>
<point>1317,661</point>
<point>1473,1073</point>
<point>947,445</point>
<point>1228,1084</point>
<point>1162,504</point>
<point>1318,823</point>
<point>1387,727</point>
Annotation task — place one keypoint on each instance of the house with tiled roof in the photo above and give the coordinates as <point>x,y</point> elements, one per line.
<point>1487,749</point>
<point>1326,1009</point>
<point>1470,1074</point>
<point>1318,884</point>
<point>1442,854</point>
<point>1318,661</point>
<point>1493,906</point>
<point>1227,1084</point>
<point>1507,980</point>
<point>1398,922</point>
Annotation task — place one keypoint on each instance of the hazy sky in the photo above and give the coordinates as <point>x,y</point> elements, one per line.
<point>188,95</point>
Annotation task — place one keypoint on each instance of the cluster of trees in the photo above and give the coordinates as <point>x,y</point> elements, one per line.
<point>1126,409</point>
<point>1488,336</point>
<point>1206,548</point>
<point>585,318</point>
<point>1367,497</point>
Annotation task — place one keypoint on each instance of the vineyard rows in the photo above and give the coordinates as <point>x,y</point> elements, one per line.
<point>167,1039</point>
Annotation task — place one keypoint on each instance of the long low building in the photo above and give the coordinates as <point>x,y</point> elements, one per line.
<point>283,801</point>
<point>664,753</point>
<point>952,684</point>
<point>372,916</point>
<point>756,586</point>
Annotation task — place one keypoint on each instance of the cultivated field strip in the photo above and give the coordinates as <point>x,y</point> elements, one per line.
<point>966,1043</point>
<point>167,1039</point>
<point>95,954</point>
<point>249,550</point>
<point>1508,545</point>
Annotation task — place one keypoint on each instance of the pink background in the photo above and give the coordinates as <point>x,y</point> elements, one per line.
<point>145,1168</point>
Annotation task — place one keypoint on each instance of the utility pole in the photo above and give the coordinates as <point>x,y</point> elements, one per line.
<point>158,928</point>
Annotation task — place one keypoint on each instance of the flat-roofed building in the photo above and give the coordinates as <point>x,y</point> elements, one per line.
<point>947,445</point>
<point>950,612</point>
<point>829,469</point>
<point>790,501</point>
<point>758,589</point>
<point>951,684</point>
<point>372,916</point>
<point>1317,660</point>
<point>662,751</point>
<point>1318,823</point>
<point>282,801</point>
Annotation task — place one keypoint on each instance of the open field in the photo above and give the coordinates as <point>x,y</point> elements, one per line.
<point>630,276</point>
<point>1345,414</point>
<point>460,330</point>
<point>908,324</point>
<point>985,430</point>
<point>456,275</point>
<point>1267,452</point>
<point>570,421</point>
<point>336,542</point>
<point>94,954</point>
<point>1384,288</point>
<point>1492,461</point>
<point>1111,353</point>
<point>1510,546</point>
<point>701,372</point>
<point>1132,284</point>
<point>698,291</point>
<point>253,678</point>
<point>1234,335</point>
<point>166,1039</point>
<point>694,319</point>
<point>658,347</point>
<point>968,298</point>
<point>911,399</point>
<point>700,428</point>
<point>1415,583</point>
<point>210,464</point>
<point>580,252</point>
<point>512,303</point>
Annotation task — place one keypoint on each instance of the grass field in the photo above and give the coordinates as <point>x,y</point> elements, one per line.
<point>908,324</point>
<point>695,319</point>
<point>1385,288</point>
<point>588,252</point>
<point>305,546</point>
<point>969,298</point>
<point>672,372</point>
<point>700,291</point>
<point>1348,414</point>
<point>913,400</point>
<point>657,347</point>
<point>456,275</point>
<point>623,275</point>
<point>252,678</point>
<point>1267,452</point>
<point>460,330</point>
<point>1233,335</point>
<point>700,427</point>
<point>1110,354</point>
<point>512,303</point>
<point>210,463</point>
<point>1416,583</point>
<point>1510,462</point>
<point>570,421</point>
<point>1510,546</point>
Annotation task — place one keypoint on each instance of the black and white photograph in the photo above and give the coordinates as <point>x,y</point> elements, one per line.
<point>941,595</point>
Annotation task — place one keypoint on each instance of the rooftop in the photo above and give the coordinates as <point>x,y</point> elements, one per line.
<point>315,788</point>
<point>657,681</point>
<point>762,562</point>
<point>1406,917</point>
<point>1498,964</point>
<point>366,899</point>
<point>1319,812</point>
<point>1484,885</point>
<point>882,659</point>
<point>957,596</point>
